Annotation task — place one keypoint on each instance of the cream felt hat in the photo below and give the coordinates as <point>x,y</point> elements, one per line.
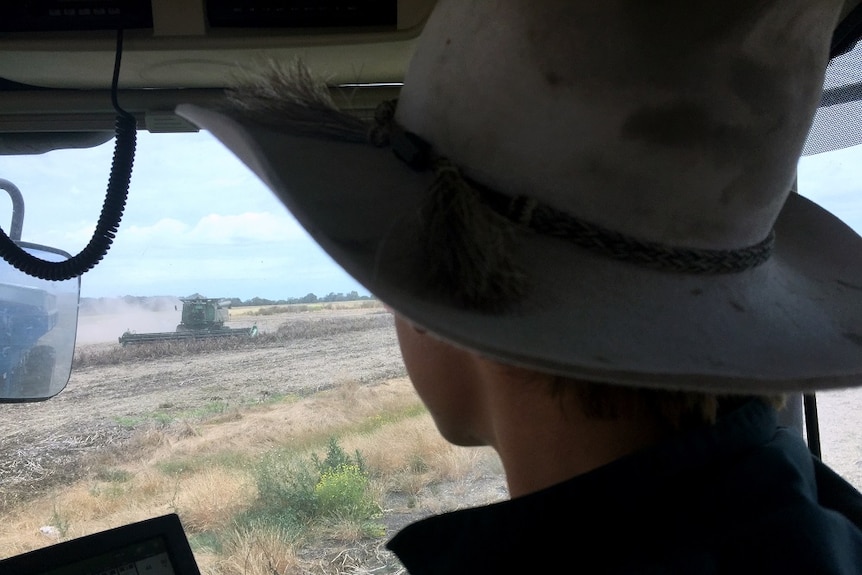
<point>627,167</point>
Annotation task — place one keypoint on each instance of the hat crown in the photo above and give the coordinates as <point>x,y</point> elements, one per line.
<point>678,123</point>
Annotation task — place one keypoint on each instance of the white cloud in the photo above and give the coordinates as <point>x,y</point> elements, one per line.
<point>223,255</point>
<point>196,220</point>
<point>251,228</point>
<point>164,228</point>
<point>268,271</point>
<point>248,227</point>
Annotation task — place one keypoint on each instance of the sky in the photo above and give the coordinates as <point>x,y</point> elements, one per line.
<point>197,220</point>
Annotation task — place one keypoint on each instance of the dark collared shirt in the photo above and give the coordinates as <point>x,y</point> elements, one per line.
<point>741,496</point>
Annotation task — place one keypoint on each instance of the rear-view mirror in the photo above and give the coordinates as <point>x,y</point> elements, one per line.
<point>38,323</point>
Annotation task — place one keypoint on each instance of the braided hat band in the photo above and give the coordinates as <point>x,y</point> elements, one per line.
<point>544,219</point>
<point>547,220</point>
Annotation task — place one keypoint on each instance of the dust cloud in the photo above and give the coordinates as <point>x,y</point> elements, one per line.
<point>104,320</point>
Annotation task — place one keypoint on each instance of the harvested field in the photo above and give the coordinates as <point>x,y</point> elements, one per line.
<point>46,443</point>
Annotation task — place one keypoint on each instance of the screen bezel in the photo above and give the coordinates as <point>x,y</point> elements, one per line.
<point>168,527</point>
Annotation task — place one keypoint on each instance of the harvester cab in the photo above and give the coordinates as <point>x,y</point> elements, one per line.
<point>204,314</point>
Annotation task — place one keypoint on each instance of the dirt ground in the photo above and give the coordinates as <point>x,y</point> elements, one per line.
<point>44,443</point>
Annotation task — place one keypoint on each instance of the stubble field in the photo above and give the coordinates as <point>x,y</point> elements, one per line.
<point>103,405</point>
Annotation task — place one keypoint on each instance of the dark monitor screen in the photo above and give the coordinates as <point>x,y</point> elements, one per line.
<point>155,546</point>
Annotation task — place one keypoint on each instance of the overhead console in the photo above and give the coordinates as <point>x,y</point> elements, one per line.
<point>54,15</point>
<point>201,43</point>
<point>301,13</point>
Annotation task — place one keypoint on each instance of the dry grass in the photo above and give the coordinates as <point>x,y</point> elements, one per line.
<point>254,552</point>
<point>209,500</point>
<point>263,310</point>
<point>204,473</point>
<point>301,422</point>
<point>411,457</point>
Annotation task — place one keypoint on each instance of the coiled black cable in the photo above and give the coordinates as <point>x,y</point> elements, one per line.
<point>125,134</point>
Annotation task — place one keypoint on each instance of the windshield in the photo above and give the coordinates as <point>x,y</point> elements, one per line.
<point>294,442</point>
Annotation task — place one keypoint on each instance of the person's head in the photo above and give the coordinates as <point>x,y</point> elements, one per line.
<point>597,192</point>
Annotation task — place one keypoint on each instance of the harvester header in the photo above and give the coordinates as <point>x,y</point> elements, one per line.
<point>201,318</point>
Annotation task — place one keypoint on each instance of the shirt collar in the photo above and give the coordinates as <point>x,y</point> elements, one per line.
<point>440,543</point>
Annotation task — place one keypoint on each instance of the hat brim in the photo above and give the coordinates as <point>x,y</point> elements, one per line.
<point>793,323</point>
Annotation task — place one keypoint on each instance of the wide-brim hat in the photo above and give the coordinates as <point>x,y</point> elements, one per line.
<point>643,160</point>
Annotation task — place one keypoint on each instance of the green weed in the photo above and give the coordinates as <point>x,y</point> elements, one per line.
<point>192,464</point>
<point>112,475</point>
<point>296,492</point>
<point>343,492</point>
<point>128,420</point>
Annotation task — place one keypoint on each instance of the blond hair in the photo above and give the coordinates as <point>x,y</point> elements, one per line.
<point>674,410</point>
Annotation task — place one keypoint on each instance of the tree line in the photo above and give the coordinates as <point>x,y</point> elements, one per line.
<point>164,303</point>
<point>309,298</point>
